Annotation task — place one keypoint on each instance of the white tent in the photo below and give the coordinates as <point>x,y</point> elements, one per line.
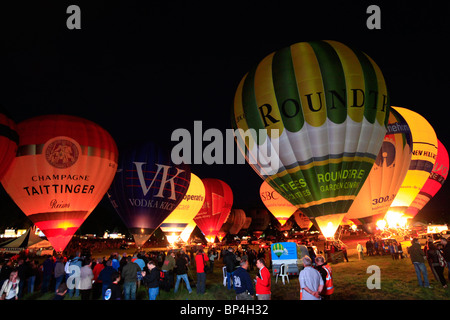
<point>28,240</point>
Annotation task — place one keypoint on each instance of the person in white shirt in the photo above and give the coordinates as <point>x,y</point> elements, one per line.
<point>311,282</point>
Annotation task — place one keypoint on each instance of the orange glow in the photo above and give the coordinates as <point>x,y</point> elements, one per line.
<point>328,224</point>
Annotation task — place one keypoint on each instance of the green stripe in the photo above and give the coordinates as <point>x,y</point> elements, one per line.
<point>371,87</point>
<point>286,91</point>
<point>250,107</point>
<point>333,80</point>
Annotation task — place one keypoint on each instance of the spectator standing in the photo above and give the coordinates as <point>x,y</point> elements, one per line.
<point>200,259</point>
<point>446,254</point>
<point>59,272</point>
<point>437,263</point>
<point>47,273</point>
<point>263,281</point>
<point>327,277</point>
<point>151,279</point>
<point>418,259</point>
<point>360,250</point>
<point>167,268</point>
<point>129,276</point>
<point>212,256</point>
<point>86,277</point>
<point>181,272</point>
<point>97,285</point>
<point>73,279</point>
<point>243,285</point>
<point>230,261</point>
<point>311,283</point>
<point>105,277</point>
<point>113,291</point>
<point>10,288</point>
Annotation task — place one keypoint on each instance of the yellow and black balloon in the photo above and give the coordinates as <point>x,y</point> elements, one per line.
<point>330,105</point>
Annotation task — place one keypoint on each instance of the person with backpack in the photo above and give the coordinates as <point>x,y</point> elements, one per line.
<point>152,279</point>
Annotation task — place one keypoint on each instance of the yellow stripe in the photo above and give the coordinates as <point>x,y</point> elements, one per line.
<point>354,79</point>
<point>309,82</point>
<point>382,91</point>
<point>265,91</point>
<point>326,200</point>
<point>323,163</point>
<point>239,117</point>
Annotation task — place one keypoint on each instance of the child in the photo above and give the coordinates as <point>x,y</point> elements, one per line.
<point>114,292</point>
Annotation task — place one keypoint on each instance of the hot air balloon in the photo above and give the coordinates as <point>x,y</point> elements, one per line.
<point>215,209</point>
<point>147,187</point>
<point>434,183</point>
<point>386,176</point>
<point>310,119</point>
<point>423,159</point>
<point>277,205</point>
<point>302,220</point>
<point>185,212</point>
<point>63,168</point>
<point>260,221</point>
<point>9,140</point>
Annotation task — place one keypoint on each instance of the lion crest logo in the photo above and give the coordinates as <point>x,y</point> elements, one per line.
<point>62,153</point>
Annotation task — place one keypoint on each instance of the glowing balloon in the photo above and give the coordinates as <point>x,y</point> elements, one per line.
<point>328,105</point>
<point>434,183</point>
<point>148,186</point>
<point>215,209</point>
<point>188,208</point>
<point>9,140</point>
<point>63,168</point>
<point>302,220</point>
<point>386,176</point>
<point>277,205</point>
<point>422,159</point>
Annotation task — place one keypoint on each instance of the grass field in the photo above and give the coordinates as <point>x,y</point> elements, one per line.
<point>397,278</point>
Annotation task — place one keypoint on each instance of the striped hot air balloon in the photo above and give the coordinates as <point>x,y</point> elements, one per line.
<point>386,176</point>
<point>9,139</point>
<point>435,181</point>
<point>329,104</point>
<point>423,158</point>
<point>63,168</point>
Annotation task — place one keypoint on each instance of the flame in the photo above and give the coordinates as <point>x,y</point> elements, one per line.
<point>328,224</point>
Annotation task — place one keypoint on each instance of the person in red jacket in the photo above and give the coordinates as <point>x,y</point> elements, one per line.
<point>200,261</point>
<point>262,287</point>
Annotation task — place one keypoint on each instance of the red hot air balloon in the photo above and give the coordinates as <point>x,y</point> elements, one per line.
<point>9,139</point>
<point>434,183</point>
<point>215,210</point>
<point>63,168</point>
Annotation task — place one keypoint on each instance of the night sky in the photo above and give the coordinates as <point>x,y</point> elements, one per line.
<point>142,70</point>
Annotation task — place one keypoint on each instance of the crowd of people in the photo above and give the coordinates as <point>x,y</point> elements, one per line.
<point>114,277</point>
<point>120,276</point>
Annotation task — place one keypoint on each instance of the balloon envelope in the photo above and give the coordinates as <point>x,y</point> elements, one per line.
<point>435,181</point>
<point>147,187</point>
<point>186,210</point>
<point>280,208</point>
<point>215,209</point>
<point>329,106</point>
<point>422,159</point>
<point>386,176</point>
<point>63,168</point>
<point>9,140</point>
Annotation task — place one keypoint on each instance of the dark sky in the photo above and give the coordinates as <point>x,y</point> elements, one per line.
<point>142,70</point>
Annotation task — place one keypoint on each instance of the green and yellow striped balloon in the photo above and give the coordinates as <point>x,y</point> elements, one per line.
<point>330,105</point>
